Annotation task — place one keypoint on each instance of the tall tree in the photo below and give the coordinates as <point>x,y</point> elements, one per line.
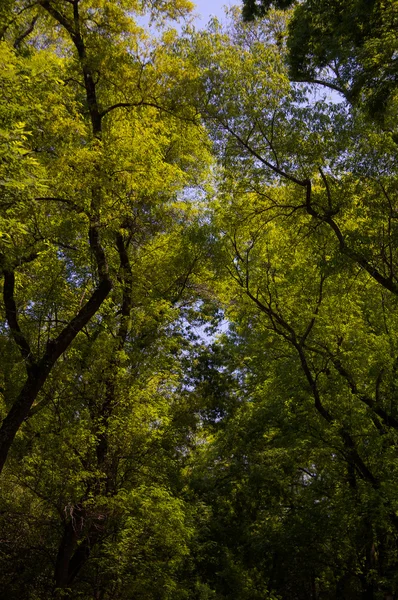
<point>306,242</point>
<point>89,168</point>
<point>350,47</point>
<point>100,256</point>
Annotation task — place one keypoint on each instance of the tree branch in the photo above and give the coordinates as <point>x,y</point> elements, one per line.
<point>266,163</point>
<point>66,201</point>
<point>26,33</point>
<point>318,304</point>
<point>12,318</point>
<point>327,84</point>
<point>349,252</point>
<point>58,16</point>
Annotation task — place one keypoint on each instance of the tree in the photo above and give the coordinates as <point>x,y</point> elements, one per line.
<point>85,156</point>
<point>99,260</point>
<point>347,46</point>
<point>306,243</point>
<point>256,459</point>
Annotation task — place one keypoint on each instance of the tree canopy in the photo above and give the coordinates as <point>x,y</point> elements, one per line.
<point>198,255</point>
<point>350,47</point>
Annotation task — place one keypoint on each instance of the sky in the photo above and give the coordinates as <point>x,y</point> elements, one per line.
<point>208,8</point>
<point>204,10</point>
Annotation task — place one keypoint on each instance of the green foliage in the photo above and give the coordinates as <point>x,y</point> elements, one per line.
<point>301,478</point>
<point>348,46</point>
<point>199,365</point>
<point>99,261</point>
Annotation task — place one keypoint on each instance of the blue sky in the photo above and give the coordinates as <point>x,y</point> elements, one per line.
<point>207,8</point>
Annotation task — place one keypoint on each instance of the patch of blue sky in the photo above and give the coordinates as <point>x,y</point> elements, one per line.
<point>203,12</point>
<point>206,9</point>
